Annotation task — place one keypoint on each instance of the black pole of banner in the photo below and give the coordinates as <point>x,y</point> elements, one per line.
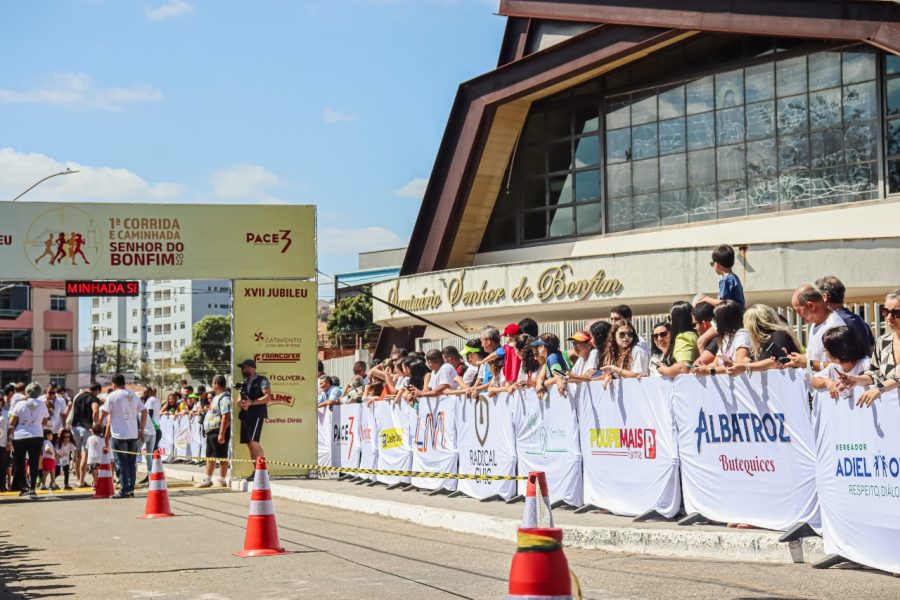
<point>93,356</point>
<point>365,292</point>
<point>118,356</point>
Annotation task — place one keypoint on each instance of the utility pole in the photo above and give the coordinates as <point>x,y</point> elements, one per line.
<point>118,344</point>
<point>94,356</point>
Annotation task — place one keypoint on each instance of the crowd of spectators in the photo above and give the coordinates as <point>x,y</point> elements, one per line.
<point>714,336</point>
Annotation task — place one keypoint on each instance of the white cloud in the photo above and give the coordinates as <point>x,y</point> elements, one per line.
<point>415,189</point>
<point>77,90</point>
<point>173,8</point>
<point>343,241</point>
<point>19,170</point>
<point>330,115</point>
<point>245,182</point>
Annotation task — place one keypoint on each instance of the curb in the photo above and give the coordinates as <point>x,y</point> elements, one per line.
<point>748,546</point>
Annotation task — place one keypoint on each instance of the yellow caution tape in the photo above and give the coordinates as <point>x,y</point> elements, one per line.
<point>422,474</point>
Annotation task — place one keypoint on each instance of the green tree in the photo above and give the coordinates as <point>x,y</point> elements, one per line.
<point>351,316</point>
<point>131,360</point>
<point>208,353</point>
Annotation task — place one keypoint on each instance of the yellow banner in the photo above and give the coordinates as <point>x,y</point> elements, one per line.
<point>275,325</point>
<point>40,240</point>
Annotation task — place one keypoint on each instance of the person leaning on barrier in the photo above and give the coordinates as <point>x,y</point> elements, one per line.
<point>848,355</point>
<point>772,341</point>
<point>731,337</point>
<point>681,345</point>
<point>810,305</point>
<point>443,376</point>
<point>883,373</point>
<point>329,394</point>
<point>833,290</point>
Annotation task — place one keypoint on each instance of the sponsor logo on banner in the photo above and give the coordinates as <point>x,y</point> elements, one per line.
<point>550,440</point>
<point>260,337</point>
<point>482,419</point>
<point>391,438</point>
<point>876,473</point>
<point>281,238</point>
<point>287,378</point>
<point>735,428</point>
<point>277,357</point>
<point>71,237</point>
<point>281,398</point>
<point>345,436</point>
<point>634,443</point>
<point>430,432</point>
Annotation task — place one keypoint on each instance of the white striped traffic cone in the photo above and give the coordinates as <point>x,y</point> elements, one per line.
<point>104,486</point>
<point>158,495</point>
<point>537,501</point>
<point>261,538</point>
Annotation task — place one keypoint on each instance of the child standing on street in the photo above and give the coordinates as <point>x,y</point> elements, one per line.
<point>95,445</point>
<point>48,462</point>
<point>66,448</point>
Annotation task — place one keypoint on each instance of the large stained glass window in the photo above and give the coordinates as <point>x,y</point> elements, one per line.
<point>764,126</point>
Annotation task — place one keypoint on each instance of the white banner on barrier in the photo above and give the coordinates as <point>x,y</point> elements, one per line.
<point>547,440</point>
<point>182,436</point>
<point>393,440</point>
<point>858,476</point>
<point>747,448</point>
<point>487,444</point>
<point>198,447</point>
<point>434,444</point>
<point>324,419</point>
<point>167,437</point>
<point>345,444</point>
<point>367,441</point>
<point>628,447</point>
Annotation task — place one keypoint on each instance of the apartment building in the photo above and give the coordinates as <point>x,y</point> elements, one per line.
<point>38,333</point>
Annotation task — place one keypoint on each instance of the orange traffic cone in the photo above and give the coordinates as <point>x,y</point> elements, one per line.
<point>539,568</point>
<point>261,538</point>
<point>158,495</point>
<point>537,501</point>
<point>104,487</point>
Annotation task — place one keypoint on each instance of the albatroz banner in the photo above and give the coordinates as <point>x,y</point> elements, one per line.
<point>41,240</point>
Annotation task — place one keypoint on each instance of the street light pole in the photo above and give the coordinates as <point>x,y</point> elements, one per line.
<point>39,182</point>
<point>94,356</point>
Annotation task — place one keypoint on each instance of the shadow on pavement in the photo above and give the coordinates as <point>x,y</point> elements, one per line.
<point>24,575</point>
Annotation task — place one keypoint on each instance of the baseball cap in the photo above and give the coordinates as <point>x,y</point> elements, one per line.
<point>539,342</point>
<point>512,329</point>
<point>33,390</point>
<point>580,336</point>
<point>249,362</point>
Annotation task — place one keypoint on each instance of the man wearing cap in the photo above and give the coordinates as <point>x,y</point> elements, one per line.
<point>123,432</point>
<point>256,393</point>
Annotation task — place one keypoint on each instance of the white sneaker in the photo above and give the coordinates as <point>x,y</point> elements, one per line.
<point>206,483</point>
<point>223,483</point>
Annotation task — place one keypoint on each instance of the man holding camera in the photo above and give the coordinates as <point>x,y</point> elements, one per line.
<point>256,393</point>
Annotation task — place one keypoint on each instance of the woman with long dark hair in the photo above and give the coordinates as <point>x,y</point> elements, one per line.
<point>682,350</point>
<point>733,340</point>
<point>624,358</point>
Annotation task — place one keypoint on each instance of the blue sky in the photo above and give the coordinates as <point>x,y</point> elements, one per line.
<point>339,103</point>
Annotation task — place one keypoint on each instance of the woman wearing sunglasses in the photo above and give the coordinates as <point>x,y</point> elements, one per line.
<point>883,373</point>
<point>623,357</point>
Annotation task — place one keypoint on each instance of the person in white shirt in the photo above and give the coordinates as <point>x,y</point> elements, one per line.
<point>622,314</point>
<point>847,354</point>
<point>123,407</point>
<point>18,396</point>
<point>95,444</point>
<point>5,440</point>
<point>27,421</point>
<point>809,303</point>
<point>623,357</point>
<point>66,449</point>
<point>443,376</point>
<point>586,353</point>
<point>56,406</point>
<point>150,439</point>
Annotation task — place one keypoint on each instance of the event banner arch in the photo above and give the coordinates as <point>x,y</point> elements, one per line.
<point>44,240</point>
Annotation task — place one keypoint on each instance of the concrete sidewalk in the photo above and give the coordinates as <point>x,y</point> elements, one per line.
<point>593,531</point>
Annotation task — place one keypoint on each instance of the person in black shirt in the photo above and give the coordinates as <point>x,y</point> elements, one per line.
<point>256,392</point>
<point>833,290</point>
<point>86,407</point>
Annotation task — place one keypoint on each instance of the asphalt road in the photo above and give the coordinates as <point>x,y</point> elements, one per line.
<point>73,547</point>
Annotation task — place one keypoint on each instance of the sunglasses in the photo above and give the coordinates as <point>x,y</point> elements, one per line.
<point>624,334</point>
<point>895,313</point>
<point>661,334</point>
